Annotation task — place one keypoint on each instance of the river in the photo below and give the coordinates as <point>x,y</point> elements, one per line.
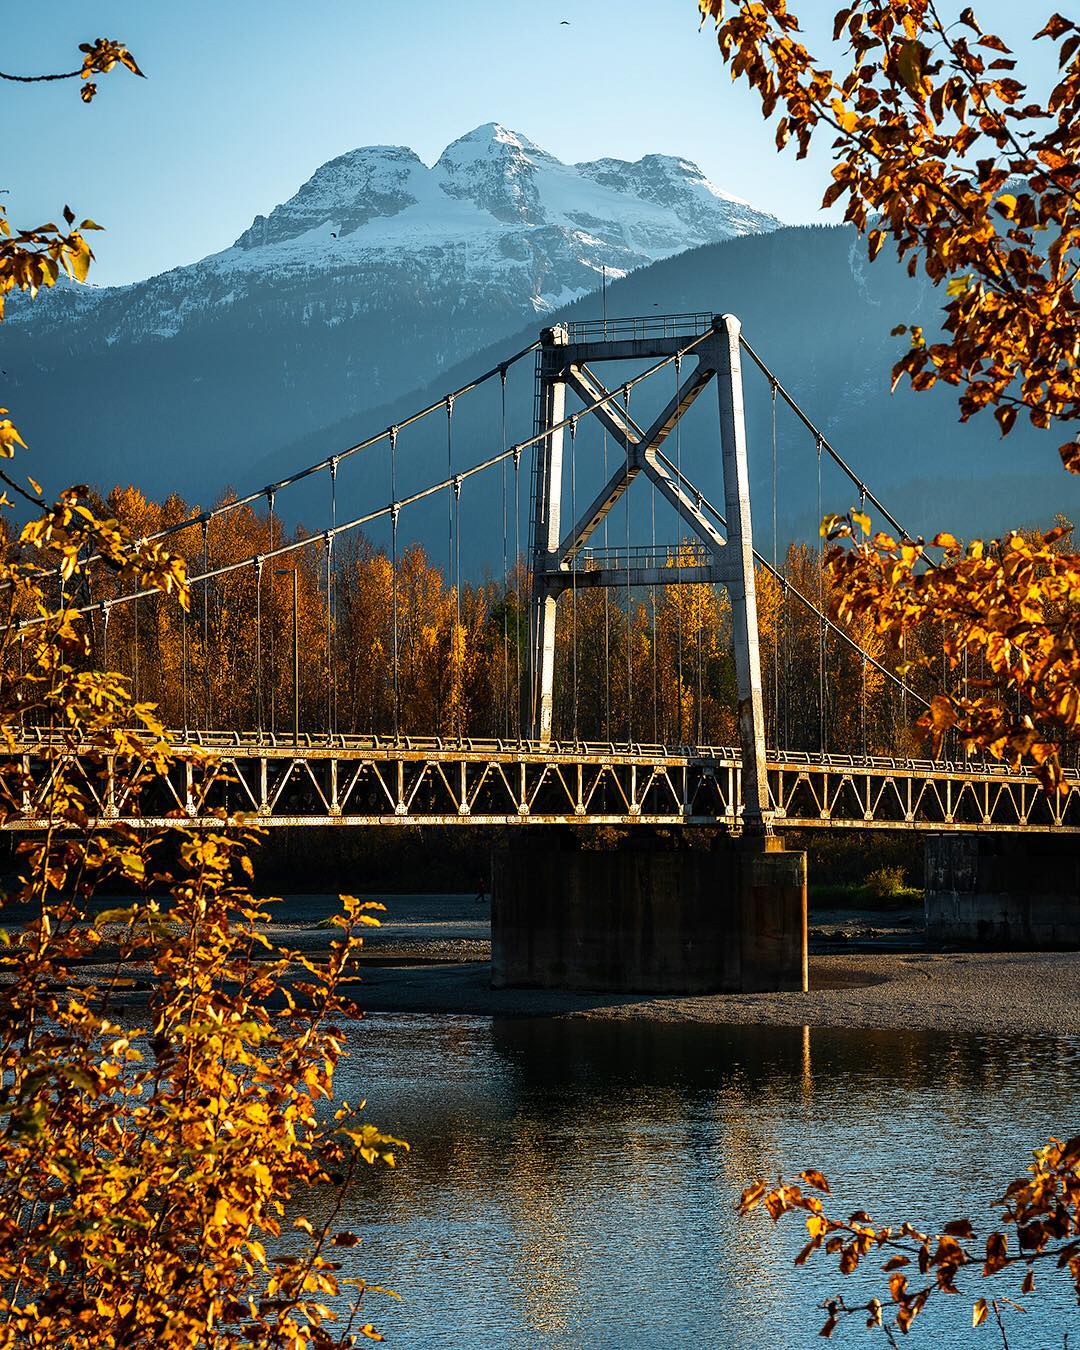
<point>572,1181</point>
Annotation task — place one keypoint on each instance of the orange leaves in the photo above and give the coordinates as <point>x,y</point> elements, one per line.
<point>1070,454</point>
<point>928,134</point>
<point>1011,607</point>
<point>1043,1205</point>
<point>1055,27</point>
<point>99,57</point>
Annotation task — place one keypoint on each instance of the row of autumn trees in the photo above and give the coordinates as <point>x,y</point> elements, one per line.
<point>659,669</point>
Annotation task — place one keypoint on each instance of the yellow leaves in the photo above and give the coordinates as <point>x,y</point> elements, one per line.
<point>356,911</point>
<point>846,118</point>
<point>100,57</point>
<point>9,436</point>
<point>194,1142</point>
<point>980,1312</point>
<point>371,1144</point>
<point>76,258</point>
<point>910,62</point>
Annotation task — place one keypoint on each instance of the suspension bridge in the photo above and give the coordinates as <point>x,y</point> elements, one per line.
<point>326,776</point>
<point>643,917</point>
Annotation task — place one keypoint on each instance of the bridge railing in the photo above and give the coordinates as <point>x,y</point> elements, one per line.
<point>254,743</point>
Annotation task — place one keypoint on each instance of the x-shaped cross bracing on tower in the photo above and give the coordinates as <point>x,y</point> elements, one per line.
<point>564,363</point>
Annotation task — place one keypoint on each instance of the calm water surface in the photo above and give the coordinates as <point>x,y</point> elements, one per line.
<point>572,1182</point>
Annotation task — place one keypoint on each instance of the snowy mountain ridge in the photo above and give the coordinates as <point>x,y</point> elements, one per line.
<point>497,204</point>
<point>375,275</point>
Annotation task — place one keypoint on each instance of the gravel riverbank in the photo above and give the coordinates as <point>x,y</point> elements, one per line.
<point>1014,993</point>
<point>867,969</point>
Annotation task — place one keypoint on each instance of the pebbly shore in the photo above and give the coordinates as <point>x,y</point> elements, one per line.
<point>867,970</point>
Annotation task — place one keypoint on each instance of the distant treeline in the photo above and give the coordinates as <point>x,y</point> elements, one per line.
<point>653,666</point>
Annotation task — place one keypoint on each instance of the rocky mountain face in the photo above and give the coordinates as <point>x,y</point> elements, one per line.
<point>376,275</point>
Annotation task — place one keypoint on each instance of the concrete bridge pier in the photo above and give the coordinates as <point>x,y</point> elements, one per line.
<point>1003,890</point>
<point>646,918</point>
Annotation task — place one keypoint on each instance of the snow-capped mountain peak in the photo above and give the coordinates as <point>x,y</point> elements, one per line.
<point>509,203</point>
<point>348,191</point>
<point>378,271</point>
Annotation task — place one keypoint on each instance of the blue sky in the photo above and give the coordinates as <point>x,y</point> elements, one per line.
<point>245,99</point>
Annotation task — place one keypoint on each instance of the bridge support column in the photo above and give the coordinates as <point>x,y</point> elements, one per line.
<point>546,518</point>
<point>1016,891</point>
<point>643,919</point>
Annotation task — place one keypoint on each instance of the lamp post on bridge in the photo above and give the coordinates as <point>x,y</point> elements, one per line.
<point>286,572</point>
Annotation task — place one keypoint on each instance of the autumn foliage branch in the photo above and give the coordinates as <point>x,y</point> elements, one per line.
<point>938,145</point>
<point>1039,1225</point>
<point>154,1155</point>
<point>167,1070</point>
<point>1008,615</point>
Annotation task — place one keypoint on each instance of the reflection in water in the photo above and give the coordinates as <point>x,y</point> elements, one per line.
<point>572,1181</point>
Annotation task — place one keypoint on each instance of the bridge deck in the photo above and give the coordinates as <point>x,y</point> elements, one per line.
<point>376,781</point>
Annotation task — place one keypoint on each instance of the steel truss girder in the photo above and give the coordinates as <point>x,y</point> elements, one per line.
<point>498,784</point>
